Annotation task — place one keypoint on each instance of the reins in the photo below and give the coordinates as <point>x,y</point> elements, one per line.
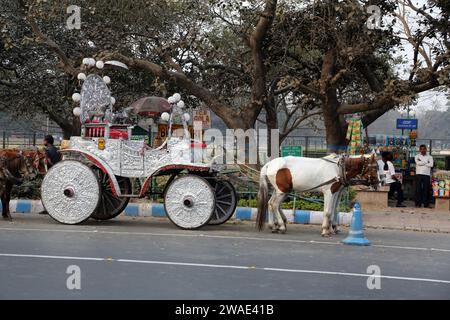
<point>341,178</point>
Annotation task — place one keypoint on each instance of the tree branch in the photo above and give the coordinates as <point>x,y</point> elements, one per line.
<point>66,64</point>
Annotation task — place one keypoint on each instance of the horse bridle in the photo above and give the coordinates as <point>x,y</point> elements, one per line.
<point>367,165</point>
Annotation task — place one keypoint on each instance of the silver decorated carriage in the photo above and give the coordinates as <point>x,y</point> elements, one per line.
<point>95,179</point>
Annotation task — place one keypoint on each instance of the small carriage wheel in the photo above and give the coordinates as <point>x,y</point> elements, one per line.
<point>189,202</point>
<point>226,202</point>
<point>70,192</point>
<point>110,206</point>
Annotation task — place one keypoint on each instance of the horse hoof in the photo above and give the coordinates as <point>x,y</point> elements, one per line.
<point>283,231</point>
<point>275,230</point>
<point>326,234</point>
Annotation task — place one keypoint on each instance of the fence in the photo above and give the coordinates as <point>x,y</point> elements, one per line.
<point>316,146</point>
<point>10,140</point>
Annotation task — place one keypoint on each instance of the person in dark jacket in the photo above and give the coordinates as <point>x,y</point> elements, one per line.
<point>51,153</point>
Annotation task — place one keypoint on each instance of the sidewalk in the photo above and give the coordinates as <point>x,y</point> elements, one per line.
<point>415,219</point>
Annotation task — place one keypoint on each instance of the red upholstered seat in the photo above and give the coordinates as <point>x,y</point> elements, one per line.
<point>117,134</point>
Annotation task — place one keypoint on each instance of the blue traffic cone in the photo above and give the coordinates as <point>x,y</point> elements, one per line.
<point>356,234</point>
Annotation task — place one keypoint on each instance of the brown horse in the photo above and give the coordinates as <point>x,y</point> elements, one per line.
<point>14,167</point>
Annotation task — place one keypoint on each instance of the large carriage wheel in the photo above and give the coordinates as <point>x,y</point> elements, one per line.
<point>110,206</point>
<point>189,202</point>
<point>70,192</point>
<point>226,201</point>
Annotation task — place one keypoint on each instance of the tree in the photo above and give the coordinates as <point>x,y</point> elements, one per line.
<point>40,59</point>
<point>349,68</point>
<point>283,57</point>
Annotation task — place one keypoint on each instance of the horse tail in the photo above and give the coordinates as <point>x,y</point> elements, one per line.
<point>263,195</point>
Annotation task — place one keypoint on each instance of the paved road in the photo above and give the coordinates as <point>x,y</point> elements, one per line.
<point>149,258</point>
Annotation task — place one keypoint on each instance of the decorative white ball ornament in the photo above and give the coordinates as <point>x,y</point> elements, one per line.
<point>86,61</point>
<point>180,104</point>
<point>91,62</point>
<point>81,76</point>
<point>107,79</point>
<point>171,100</point>
<point>165,116</point>
<point>76,97</point>
<point>77,111</point>
<point>113,100</point>
<point>177,97</point>
<point>99,64</point>
<point>187,117</point>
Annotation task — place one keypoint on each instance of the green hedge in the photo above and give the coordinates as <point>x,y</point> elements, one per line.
<point>28,190</point>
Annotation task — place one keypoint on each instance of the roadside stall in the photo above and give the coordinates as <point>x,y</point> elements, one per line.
<point>441,190</point>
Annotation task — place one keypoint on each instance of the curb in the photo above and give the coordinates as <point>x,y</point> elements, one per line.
<point>157,210</point>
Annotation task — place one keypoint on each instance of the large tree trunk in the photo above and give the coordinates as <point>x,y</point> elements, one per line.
<point>72,130</point>
<point>272,123</point>
<point>336,131</point>
<point>335,125</point>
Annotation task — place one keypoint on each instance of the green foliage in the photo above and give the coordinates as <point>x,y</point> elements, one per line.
<point>27,190</point>
<point>304,204</point>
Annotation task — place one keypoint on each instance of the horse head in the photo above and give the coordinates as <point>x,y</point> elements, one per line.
<point>25,166</point>
<point>371,173</point>
<point>363,170</point>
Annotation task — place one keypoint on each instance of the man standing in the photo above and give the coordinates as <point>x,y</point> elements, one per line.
<point>386,169</point>
<point>51,153</point>
<point>424,164</point>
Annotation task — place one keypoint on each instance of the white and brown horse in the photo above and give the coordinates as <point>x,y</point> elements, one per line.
<point>327,175</point>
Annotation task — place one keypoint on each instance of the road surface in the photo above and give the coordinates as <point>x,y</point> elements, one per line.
<point>149,258</point>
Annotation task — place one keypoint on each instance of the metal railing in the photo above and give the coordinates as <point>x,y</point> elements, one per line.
<point>23,140</point>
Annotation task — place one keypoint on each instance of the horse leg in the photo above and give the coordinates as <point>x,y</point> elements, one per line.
<point>327,211</point>
<point>282,218</point>
<point>274,206</point>
<point>337,201</point>
<point>7,199</point>
<point>271,213</point>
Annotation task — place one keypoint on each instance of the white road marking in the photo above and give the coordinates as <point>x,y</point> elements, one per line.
<point>197,235</point>
<point>49,257</point>
<point>223,266</point>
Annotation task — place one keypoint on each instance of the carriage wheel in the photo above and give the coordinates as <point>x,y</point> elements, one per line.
<point>110,206</point>
<point>70,192</point>
<point>226,202</point>
<point>189,202</point>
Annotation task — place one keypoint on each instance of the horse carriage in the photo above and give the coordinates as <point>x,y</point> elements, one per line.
<point>94,179</point>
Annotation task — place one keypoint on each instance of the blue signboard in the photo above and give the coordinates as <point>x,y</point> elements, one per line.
<point>407,124</point>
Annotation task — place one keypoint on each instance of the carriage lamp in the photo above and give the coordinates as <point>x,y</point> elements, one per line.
<point>76,97</point>
<point>77,111</point>
<point>177,97</point>
<point>99,64</point>
<point>165,116</point>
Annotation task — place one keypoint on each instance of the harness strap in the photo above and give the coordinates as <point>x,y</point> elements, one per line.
<point>336,179</point>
